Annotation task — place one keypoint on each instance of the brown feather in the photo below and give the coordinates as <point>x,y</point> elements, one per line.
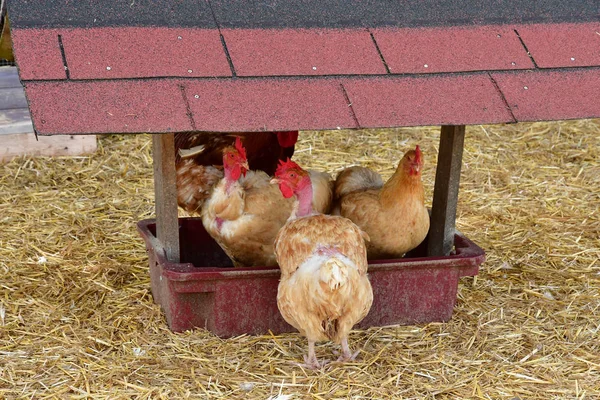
<point>323,304</point>
<point>252,212</point>
<point>194,184</point>
<point>394,216</point>
<point>322,184</point>
<point>354,179</point>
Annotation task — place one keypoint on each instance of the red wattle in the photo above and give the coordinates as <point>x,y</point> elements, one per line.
<point>236,172</point>
<point>286,191</point>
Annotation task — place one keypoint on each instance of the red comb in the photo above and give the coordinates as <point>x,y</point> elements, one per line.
<point>418,155</point>
<point>287,139</point>
<point>239,147</point>
<point>285,165</point>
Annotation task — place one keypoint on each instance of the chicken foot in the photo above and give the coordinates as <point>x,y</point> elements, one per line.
<point>311,361</point>
<point>347,354</point>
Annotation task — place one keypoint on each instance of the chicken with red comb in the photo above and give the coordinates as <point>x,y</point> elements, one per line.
<point>393,214</point>
<point>199,161</point>
<point>324,289</point>
<point>244,211</point>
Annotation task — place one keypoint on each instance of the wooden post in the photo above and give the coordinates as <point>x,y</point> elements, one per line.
<point>445,193</point>
<point>165,194</point>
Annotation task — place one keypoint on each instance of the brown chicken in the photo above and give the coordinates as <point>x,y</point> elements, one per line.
<point>244,211</point>
<point>392,214</point>
<point>199,160</point>
<point>324,289</point>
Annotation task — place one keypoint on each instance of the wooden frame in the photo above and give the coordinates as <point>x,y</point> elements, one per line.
<point>445,192</point>
<point>165,192</point>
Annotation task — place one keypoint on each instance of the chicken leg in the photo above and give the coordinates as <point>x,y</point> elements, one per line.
<point>311,361</point>
<point>347,354</point>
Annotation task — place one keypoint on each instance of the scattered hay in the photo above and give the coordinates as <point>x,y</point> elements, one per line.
<point>77,318</point>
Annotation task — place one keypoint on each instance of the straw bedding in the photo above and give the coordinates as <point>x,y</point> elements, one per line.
<point>77,318</point>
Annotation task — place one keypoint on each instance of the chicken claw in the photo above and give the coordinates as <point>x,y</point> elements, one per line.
<point>312,364</point>
<point>310,360</point>
<point>348,357</point>
<point>347,354</point>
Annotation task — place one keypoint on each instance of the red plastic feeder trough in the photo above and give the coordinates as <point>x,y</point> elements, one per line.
<point>205,291</point>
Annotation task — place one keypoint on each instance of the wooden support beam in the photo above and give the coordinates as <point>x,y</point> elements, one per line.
<point>165,194</point>
<point>445,194</point>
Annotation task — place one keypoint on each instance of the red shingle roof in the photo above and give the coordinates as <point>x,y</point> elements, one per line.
<point>166,79</point>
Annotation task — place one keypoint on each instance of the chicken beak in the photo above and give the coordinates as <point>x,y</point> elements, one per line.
<point>414,168</point>
<point>274,181</point>
<point>245,165</point>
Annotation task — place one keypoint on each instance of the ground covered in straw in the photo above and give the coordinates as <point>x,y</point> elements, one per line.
<point>77,318</point>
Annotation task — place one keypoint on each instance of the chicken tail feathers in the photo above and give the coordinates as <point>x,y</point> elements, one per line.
<point>355,179</point>
<point>191,152</point>
<point>330,327</point>
<point>334,273</point>
<point>194,184</point>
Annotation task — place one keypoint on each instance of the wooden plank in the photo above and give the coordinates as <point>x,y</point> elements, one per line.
<point>11,98</point>
<point>165,194</point>
<point>445,194</point>
<point>14,145</point>
<point>15,121</point>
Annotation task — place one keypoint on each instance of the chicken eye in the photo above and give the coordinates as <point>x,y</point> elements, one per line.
<point>292,175</point>
<point>230,155</point>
